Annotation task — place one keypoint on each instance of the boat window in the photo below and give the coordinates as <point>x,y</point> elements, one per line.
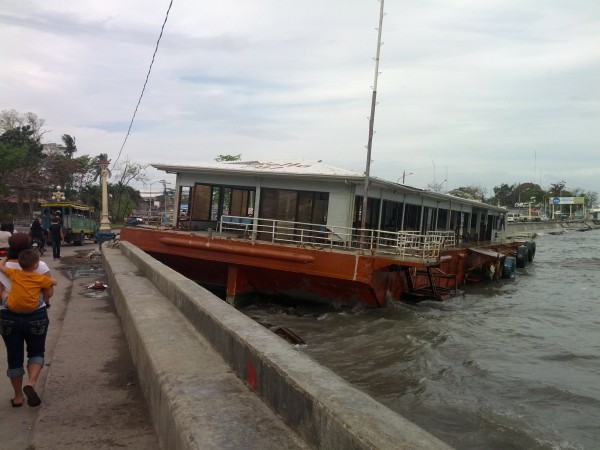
<point>217,194</point>
<point>412,217</point>
<point>442,219</point>
<point>201,204</point>
<point>372,212</point>
<point>296,206</point>
<point>286,205</point>
<point>305,207</point>
<point>239,202</point>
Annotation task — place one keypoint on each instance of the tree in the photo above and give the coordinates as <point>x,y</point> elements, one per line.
<point>62,170</point>
<point>91,195</point>
<point>84,176</point>
<point>10,158</point>
<point>11,119</point>
<point>557,188</point>
<point>470,192</point>
<point>503,194</point>
<point>25,178</point>
<point>97,167</point>
<point>591,199</point>
<point>70,146</point>
<point>435,187</point>
<point>124,196</point>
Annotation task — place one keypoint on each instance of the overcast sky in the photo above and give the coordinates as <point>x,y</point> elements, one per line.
<point>478,92</point>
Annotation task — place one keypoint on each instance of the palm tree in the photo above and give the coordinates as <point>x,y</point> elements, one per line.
<point>97,168</point>
<point>70,146</point>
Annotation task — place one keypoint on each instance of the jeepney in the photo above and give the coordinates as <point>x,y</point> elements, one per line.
<point>78,220</point>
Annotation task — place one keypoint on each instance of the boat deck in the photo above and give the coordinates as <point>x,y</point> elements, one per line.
<point>308,261</point>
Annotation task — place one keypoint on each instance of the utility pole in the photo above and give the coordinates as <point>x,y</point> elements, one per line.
<point>363,222</point>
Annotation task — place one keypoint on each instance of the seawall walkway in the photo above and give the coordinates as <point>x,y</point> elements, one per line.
<point>214,378</point>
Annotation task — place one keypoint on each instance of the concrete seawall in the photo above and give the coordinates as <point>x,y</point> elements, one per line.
<point>162,312</point>
<point>532,228</point>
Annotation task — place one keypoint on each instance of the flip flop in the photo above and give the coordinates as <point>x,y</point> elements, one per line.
<point>15,405</point>
<point>32,398</point>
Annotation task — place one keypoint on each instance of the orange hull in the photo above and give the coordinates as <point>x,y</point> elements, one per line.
<point>331,276</point>
<point>244,267</point>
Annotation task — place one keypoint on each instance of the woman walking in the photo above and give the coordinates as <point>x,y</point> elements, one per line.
<point>18,329</point>
<point>56,236</point>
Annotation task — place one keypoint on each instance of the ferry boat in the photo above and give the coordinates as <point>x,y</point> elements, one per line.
<point>294,229</point>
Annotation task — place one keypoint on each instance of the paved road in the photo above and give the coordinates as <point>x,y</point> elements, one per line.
<point>90,395</point>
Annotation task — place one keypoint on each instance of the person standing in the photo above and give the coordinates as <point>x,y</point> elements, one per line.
<point>56,236</point>
<point>31,330</point>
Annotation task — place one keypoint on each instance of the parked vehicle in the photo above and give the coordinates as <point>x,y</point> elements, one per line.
<point>560,216</point>
<point>513,217</point>
<point>77,220</point>
<point>133,221</point>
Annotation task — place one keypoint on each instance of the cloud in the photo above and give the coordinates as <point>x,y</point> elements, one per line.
<point>487,92</point>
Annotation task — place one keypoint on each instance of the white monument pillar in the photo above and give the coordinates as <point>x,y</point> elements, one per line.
<point>104,221</point>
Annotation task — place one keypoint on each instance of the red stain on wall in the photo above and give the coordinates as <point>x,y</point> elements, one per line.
<point>252,380</point>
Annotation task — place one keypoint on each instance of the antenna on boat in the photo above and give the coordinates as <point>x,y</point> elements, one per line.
<point>363,222</point>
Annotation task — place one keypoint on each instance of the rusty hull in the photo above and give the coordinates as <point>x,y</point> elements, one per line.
<point>245,267</point>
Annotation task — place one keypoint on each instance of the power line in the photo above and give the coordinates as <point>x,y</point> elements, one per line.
<point>145,83</point>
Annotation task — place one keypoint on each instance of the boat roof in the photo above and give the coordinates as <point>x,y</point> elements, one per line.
<point>273,168</point>
<point>312,170</point>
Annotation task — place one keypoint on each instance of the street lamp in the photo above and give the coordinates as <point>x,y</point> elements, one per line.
<point>404,175</point>
<point>58,195</point>
<point>164,183</point>
<point>151,198</point>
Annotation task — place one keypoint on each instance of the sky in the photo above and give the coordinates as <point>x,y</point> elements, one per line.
<point>470,92</point>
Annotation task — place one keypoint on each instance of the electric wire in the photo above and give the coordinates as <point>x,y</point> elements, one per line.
<point>145,83</point>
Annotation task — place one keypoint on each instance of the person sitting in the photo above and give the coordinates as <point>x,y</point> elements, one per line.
<point>37,233</point>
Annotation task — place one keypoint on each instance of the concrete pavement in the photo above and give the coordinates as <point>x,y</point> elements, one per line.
<point>91,396</point>
<point>89,387</point>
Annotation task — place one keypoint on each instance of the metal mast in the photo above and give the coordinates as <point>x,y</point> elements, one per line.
<point>363,221</point>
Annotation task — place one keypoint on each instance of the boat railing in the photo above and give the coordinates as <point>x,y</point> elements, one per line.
<point>409,244</point>
<point>449,237</point>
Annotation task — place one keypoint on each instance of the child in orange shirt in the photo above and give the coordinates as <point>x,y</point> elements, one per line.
<point>24,296</point>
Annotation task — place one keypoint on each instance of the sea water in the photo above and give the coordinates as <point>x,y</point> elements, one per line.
<point>511,365</point>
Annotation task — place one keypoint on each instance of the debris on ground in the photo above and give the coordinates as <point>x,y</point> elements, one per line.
<point>98,285</point>
<point>288,335</point>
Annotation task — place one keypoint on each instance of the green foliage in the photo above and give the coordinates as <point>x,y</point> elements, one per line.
<point>96,167</point>
<point>23,138</point>
<point>556,189</point>
<point>70,146</point>
<point>23,155</point>
<point>11,157</point>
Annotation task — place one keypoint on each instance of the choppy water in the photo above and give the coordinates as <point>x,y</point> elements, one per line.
<point>514,365</point>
